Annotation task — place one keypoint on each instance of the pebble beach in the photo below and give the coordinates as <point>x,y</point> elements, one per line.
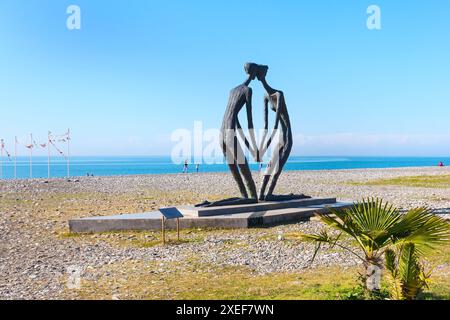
<point>37,250</point>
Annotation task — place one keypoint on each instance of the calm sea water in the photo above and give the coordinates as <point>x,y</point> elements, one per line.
<point>109,166</point>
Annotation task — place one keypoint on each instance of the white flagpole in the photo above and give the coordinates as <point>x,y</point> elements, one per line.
<point>1,159</point>
<point>48,158</point>
<point>15,157</point>
<point>31,155</point>
<point>68,153</point>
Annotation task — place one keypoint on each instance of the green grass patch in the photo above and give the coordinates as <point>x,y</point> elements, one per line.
<point>438,181</point>
<point>439,289</point>
<point>138,239</point>
<point>199,281</point>
<point>190,278</point>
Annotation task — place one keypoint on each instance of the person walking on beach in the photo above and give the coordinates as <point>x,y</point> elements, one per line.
<point>197,166</point>
<point>185,167</point>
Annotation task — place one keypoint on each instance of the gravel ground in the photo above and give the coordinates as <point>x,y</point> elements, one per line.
<point>36,253</point>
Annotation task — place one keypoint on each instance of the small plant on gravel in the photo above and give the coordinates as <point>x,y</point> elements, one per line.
<point>406,273</point>
<point>376,228</point>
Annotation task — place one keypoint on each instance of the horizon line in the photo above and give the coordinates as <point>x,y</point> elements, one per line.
<point>193,156</point>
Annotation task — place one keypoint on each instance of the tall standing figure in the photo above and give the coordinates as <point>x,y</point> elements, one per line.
<point>234,155</point>
<point>239,97</point>
<point>283,148</point>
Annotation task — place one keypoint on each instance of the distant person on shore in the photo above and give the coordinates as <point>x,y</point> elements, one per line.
<point>197,166</point>
<point>268,168</point>
<point>185,167</point>
<point>440,164</point>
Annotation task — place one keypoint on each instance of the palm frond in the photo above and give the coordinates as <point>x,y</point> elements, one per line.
<point>395,284</point>
<point>390,261</point>
<point>319,238</point>
<point>368,222</point>
<point>342,220</point>
<point>410,272</point>
<point>323,236</point>
<point>374,215</point>
<point>422,228</point>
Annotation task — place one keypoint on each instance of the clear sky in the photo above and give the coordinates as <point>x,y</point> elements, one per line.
<point>138,70</point>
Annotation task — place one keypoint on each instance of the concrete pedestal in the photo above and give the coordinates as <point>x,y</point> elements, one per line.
<point>262,214</point>
<point>243,216</point>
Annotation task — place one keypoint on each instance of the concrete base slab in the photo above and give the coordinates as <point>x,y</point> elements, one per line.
<point>152,220</point>
<point>191,211</point>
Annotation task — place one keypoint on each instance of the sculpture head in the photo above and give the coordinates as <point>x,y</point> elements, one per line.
<point>251,69</point>
<point>256,70</point>
<point>262,72</point>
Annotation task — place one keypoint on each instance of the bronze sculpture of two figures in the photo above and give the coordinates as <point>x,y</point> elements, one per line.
<point>234,154</point>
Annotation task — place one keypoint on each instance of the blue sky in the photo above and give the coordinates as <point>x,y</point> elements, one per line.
<point>138,70</point>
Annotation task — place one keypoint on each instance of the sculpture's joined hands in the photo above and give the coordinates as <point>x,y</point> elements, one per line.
<point>239,97</point>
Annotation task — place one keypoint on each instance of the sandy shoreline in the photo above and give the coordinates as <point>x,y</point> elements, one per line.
<point>36,251</point>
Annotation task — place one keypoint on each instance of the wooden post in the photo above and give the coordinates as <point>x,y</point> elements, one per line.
<point>163,231</point>
<point>178,229</point>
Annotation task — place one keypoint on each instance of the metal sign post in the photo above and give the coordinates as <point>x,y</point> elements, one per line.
<point>163,230</point>
<point>169,214</point>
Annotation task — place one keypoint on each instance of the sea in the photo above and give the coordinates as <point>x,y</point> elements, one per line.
<point>139,165</point>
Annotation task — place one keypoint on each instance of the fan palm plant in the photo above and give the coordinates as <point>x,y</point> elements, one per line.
<point>375,226</point>
<point>406,274</point>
